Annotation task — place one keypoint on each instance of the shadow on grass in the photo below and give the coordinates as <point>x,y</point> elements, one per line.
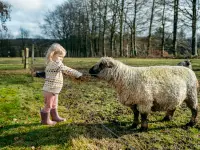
<point>20,79</point>
<point>2,128</point>
<point>196,69</point>
<point>62,134</point>
<point>36,135</point>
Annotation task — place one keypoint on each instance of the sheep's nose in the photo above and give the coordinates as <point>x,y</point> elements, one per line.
<point>91,71</point>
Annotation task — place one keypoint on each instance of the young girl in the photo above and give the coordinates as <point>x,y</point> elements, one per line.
<point>54,82</point>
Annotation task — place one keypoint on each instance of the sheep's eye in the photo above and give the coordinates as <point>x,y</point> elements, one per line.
<point>101,66</point>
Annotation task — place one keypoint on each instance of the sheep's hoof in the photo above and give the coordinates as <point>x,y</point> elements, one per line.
<point>190,124</point>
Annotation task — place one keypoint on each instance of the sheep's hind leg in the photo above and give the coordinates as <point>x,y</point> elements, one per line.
<point>144,122</point>
<point>169,115</point>
<point>194,111</point>
<point>136,116</point>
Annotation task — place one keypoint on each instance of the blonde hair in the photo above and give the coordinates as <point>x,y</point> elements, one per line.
<point>54,49</point>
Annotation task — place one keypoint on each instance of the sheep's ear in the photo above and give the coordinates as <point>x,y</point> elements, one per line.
<point>188,62</point>
<point>106,64</point>
<point>109,64</point>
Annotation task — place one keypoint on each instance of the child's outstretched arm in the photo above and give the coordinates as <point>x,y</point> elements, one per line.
<point>69,71</point>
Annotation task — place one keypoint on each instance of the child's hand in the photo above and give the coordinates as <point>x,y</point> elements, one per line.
<point>82,78</point>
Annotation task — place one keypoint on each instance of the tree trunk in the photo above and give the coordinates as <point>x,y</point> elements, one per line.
<point>104,29</point>
<point>93,27</point>
<point>131,43</point>
<point>100,33</point>
<point>113,27</point>
<point>163,30</point>
<point>194,22</point>
<point>150,28</point>
<point>121,29</point>
<point>176,5</point>
<point>134,30</point>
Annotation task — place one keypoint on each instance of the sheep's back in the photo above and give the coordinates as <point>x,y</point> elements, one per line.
<point>166,74</point>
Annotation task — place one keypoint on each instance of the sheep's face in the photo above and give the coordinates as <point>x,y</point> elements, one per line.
<point>100,67</point>
<point>186,63</point>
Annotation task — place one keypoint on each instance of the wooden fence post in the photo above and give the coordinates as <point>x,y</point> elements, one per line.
<point>26,55</point>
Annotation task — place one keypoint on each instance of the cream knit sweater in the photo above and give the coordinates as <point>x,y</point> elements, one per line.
<point>54,77</point>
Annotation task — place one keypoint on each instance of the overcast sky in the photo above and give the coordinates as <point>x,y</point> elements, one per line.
<point>28,14</point>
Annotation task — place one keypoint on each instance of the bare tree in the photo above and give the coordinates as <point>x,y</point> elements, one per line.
<point>150,27</point>
<point>194,27</point>
<point>60,24</point>
<point>131,22</point>
<point>24,34</point>
<point>5,9</point>
<point>99,28</point>
<point>121,27</point>
<point>93,16</point>
<point>99,10</point>
<point>135,19</point>
<point>175,26</point>
<point>190,16</point>
<point>133,46</point>
<point>86,34</point>
<point>114,5</point>
<point>105,5</point>
<point>6,49</point>
<point>163,28</point>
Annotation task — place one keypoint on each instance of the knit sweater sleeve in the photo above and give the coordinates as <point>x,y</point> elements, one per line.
<point>69,71</point>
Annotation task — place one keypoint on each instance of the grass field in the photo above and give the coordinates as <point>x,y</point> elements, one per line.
<point>87,106</point>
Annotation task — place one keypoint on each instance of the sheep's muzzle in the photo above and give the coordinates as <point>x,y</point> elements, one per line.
<point>93,72</point>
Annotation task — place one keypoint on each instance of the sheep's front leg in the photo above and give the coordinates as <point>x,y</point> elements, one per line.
<point>136,116</point>
<point>144,122</point>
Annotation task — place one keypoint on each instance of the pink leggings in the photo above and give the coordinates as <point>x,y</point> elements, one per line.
<point>51,101</point>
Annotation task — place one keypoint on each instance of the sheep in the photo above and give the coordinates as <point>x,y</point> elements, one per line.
<point>146,89</point>
<point>185,63</point>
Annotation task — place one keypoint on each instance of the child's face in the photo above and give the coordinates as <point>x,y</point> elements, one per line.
<point>58,57</point>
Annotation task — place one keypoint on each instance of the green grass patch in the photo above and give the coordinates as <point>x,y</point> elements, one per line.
<point>86,106</point>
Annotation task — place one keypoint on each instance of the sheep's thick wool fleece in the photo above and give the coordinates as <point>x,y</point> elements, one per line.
<point>54,77</point>
<point>164,87</point>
